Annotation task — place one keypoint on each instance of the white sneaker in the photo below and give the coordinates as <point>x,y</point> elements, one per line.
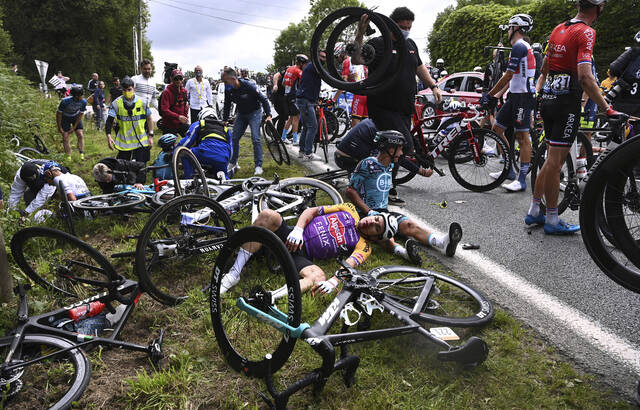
<point>514,186</point>
<point>310,157</point>
<point>228,282</point>
<point>287,141</point>
<point>258,171</point>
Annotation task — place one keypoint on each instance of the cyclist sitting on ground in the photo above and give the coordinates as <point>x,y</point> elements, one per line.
<point>210,142</point>
<point>314,237</point>
<point>28,183</point>
<point>107,180</point>
<point>627,68</point>
<point>167,143</point>
<point>74,186</point>
<point>518,108</point>
<point>369,191</point>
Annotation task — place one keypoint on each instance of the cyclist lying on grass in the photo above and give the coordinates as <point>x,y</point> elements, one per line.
<point>103,174</point>
<point>321,233</point>
<point>369,191</point>
<point>74,186</point>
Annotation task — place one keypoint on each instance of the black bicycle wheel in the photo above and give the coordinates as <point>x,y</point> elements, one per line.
<point>177,242</point>
<point>450,301</point>
<point>186,167</point>
<point>30,152</point>
<point>404,175</point>
<point>475,175</point>
<point>569,184</point>
<point>66,211</point>
<point>333,128</point>
<point>61,262</point>
<point>293,195</point>
<point>284,151</point>
<point>40,145</point>
<point>270,135</point>
<point>114,201</point>
<point>244,339</point>
<point>53,383</point>
<point>344,122</point>
<point>323,138</point>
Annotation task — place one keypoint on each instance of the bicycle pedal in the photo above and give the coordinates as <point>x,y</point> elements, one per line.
<point>155,350</point>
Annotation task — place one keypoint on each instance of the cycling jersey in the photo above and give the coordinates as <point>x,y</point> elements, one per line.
<point>72,184</point>
<point>353,72</point>
<point>291,78</point>
<point>372,181</point>
<point>70,108</point>
<point>522,64</point>
<point>333,231</point>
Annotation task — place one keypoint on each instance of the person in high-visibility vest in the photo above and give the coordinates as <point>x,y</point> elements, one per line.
<point>130,113</point>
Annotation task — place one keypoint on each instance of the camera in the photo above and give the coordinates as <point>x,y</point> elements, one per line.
<point>618,87</point>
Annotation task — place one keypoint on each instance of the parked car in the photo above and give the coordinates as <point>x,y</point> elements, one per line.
<point>465,86</point>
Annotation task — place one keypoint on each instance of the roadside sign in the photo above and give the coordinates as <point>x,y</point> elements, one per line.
<point>42,66</point>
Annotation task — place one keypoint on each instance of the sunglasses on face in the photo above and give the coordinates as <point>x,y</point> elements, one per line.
<point>177,79</point>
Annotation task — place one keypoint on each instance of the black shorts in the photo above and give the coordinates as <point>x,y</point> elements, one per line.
<point>291,106</point>
<point>561,116</point>
<point>142,154</point>
<point>346,163</point>
<point>516,112</point>
<point>300,258</point>
<point>68,122</point>
<point>392,120</point>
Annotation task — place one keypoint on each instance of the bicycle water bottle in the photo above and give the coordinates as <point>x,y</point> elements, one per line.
<point>86,310</point>
<point>581,164</point>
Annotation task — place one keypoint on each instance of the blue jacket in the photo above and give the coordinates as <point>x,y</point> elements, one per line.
<point>247,98</point>
<point>309,87</point>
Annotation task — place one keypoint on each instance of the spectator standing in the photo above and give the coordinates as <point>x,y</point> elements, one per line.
<point>93,83</point>
<point>249,113</point>
<point>199,91</point>
<point>144,84</point>
<point>130,113</point>
<point>69,118</point>
<point>290,83</point>
<point>174,106</point>
<point>279,101</point>
<point>306,100</point>
<point>61,87</point>
<point>98,104</point>
<point>115,91</point>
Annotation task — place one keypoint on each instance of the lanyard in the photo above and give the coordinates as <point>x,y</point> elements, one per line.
<point>199,90</point>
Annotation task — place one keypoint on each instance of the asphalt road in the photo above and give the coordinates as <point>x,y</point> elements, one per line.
<point>550,283</point>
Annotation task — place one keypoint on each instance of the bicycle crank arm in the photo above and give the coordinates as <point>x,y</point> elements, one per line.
<point>275,322</point>
<point>438,170</point>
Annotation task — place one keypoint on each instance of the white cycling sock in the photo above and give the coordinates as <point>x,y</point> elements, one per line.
<point>534,209</point>
<point>552,216</point>
<point>438,242</point>
<point>401,251</point>
<point>241,260</point>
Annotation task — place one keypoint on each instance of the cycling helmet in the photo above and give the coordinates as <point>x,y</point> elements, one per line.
<point>167,141</point>
<point>477,69</point>
<point>29,171</point>
<point>339,48</point>
<point>390,225</point>
<point>523,21</point>
<point>537,47</point>
<point>77,91</point>
<point>126,82</point>
<point>207,112</point>
<point>301,59</point>
<point>390,138</point>
<point>444,73</point>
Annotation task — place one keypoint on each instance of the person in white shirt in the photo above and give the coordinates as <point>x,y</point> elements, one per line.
<point>72,185</point>
<point>28,183</point>
<point>145,86</point>
<point>199,91</point>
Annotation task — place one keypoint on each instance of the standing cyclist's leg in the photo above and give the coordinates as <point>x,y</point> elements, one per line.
<point>239,127</point>
<point>254,123</point>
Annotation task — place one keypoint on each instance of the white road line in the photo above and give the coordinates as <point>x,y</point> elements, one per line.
<point>589,329</point>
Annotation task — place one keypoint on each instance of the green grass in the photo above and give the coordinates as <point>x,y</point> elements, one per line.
<point>522,370</point>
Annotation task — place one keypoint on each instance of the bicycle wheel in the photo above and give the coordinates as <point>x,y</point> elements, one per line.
<point>473,174</point>
<point>116,200</point>
<point>177,242</point>
<point>30,152</point>
<point>450,301</point>
<point>323,137</point>
<point>332,125</point>
<point>51,383</point>
<point>186,167</point>
<point>61,262</point>
<point>284,151</point>
<point>66,211</point>
<point>243,338</point>
<point>40,145</point>
<point>344,122</point>
<point>569,184</point>
<point>293,195</point>
<point>269,133</point>
<point>404,175</point>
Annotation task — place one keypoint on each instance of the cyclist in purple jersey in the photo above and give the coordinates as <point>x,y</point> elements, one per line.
<point>322,232</point>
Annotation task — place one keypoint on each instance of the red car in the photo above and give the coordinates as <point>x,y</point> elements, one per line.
<point>465,86</point>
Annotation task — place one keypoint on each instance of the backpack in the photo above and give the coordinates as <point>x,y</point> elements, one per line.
<point>164,158</point>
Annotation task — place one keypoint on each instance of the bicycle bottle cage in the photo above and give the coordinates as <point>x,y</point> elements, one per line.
<point>378,80</point>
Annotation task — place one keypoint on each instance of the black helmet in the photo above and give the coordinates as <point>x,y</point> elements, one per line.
<point>29,172</point>
<point>301,59</point>
<point>76,90</point>
<point>390,138</point>
<point>126,82</point>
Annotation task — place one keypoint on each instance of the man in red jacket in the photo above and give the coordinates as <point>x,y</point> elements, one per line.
<point>174,106</point>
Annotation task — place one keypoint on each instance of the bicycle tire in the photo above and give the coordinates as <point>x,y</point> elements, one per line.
<point>243,340</point>
<point>198,180</point>
<point>332,124</point>
<point>40,145</point>
<point>285,152</point>
<point>402,286</point>
<point>30,152</point>
<point>66,210</point>
<point>113,201</point>
<point>402,177</point>
<point>270,136</point>
<point>293,186</point>
<point>170,252</point>
<point>324,138</point>
<point>55,259</point>
<point>71,371</point>
<point>344,122</point>
<point>461,159</point>
<point>570,188</point>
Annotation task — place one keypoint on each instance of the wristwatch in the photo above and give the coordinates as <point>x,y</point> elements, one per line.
<point>151,133</point>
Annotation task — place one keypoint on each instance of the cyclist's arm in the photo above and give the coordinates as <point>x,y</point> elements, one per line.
<point>59,120</point>
<point>43,195</point>
<point>590,86</point>
<point>357,200</point>
<point>543,75</point>
<point>276,78</point>
<point>227,105</point>
<point>502,83</point>
<point>78,119</point>
<point>306,217</point>
<point>18,187</point>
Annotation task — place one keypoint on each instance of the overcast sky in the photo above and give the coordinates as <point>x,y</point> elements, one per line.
<point>186,32</point>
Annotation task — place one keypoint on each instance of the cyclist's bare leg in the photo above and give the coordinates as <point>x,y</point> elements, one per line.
<point>411,229</point>
<point>551,171</point>
<point>80,135</point>
<point>525,146</point>
<point>295,120</point>
<point>65,143</point>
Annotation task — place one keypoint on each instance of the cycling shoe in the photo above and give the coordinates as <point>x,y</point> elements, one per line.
<point>561,228</point>
<point>535,220</point>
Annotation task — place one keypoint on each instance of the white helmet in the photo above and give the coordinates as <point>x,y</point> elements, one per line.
<point>477,69</point>
<point>390,225</point>
<point>444,73</point>
<point>440,61</point>
<point>523,21</point>
<point>207,112</point>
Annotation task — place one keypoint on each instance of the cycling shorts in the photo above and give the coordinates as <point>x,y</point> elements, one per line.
<point>516,112</point>
<point>561,117</point>
<point>68,122</point>
<point>300,258</point>
<point>292,109</point>
<point>359,107</point>
<point>344,162</point>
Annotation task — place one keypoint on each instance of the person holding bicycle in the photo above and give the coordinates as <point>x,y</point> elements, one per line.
<point>306,100</point>
<point>517,111</point>
<point>323,232</point>
<point>69,118</point>
<point>369,191</point>
<point>129,173</point>
<point>566,72</point>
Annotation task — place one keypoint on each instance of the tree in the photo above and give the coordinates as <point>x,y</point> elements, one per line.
<point>6,45</point>
<point>75,36</point>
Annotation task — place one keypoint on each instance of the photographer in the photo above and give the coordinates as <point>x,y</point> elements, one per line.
<point>625,94</point>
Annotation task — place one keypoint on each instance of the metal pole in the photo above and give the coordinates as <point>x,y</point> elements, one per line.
<point>140,30</point>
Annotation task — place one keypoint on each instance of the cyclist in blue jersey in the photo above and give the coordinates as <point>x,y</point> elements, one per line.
<point>210,141</point>
<point>369,191</point>
<point>323,232</point>
<point>518,109</point>
<point>69,119</point>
